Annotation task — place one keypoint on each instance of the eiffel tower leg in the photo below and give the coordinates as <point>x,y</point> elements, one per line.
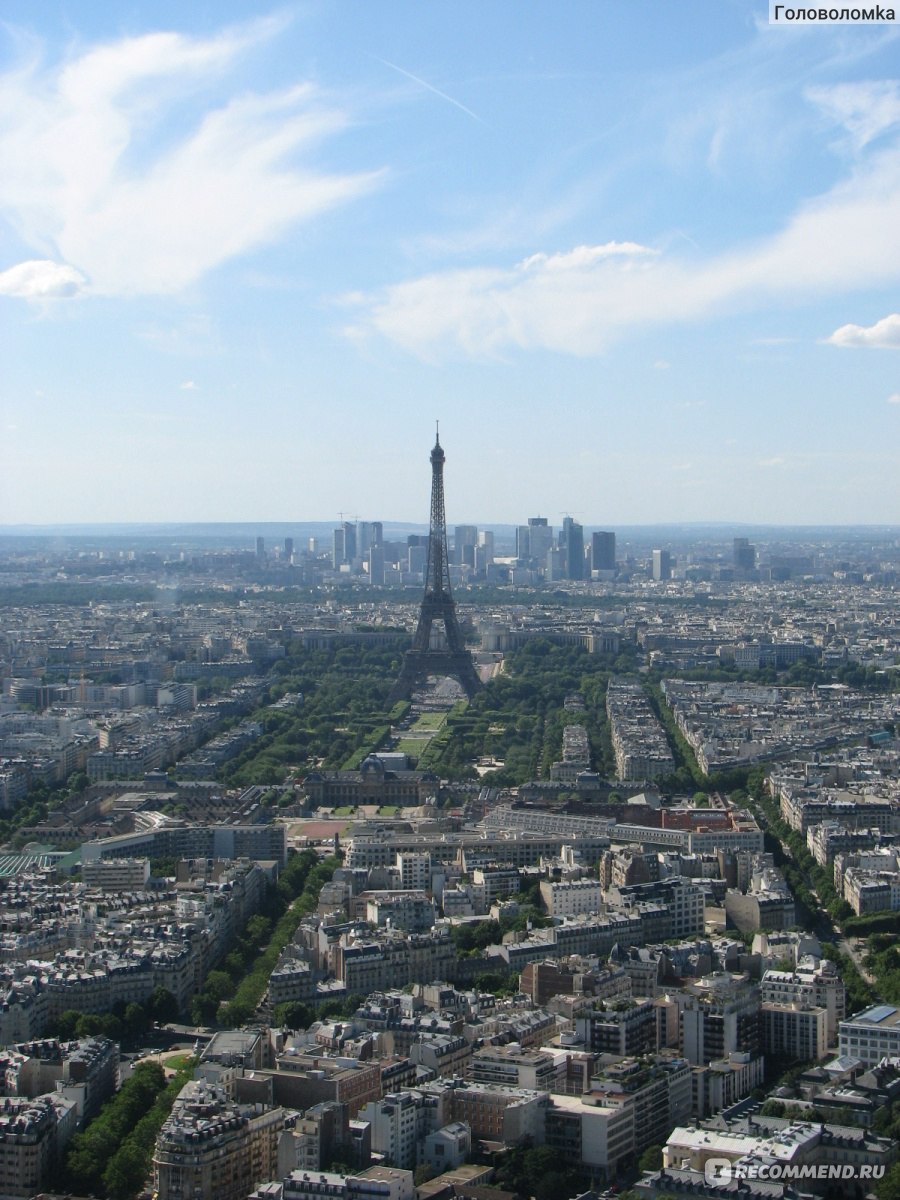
<point>406,681</point>
<point>469,678</point>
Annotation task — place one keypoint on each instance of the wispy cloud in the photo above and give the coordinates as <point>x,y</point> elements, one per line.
<point>579,302</point>
<point>93,179</point>
<point>894,399</point>
<point>883,335</point>
<point>865,109</point>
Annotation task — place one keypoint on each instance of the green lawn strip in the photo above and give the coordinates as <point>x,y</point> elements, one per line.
<point>373,742</point>
<point>412,747</point>
<point>429,720</point>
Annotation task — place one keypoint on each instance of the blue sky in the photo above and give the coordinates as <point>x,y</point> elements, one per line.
<point>641,258</point>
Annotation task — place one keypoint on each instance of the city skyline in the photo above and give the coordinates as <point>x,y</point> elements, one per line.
<point>641,261</point>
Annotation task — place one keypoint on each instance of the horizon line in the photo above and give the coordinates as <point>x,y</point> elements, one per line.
<point>14,528</point>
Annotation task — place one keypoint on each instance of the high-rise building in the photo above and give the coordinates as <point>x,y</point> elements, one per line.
<point>662,564</point>
<point>465,539</point>
<point>377,533</point>
<point>363,537</point>
<point>523,543</point>
<point>376,565</point>
<point>260,548</point>
<point>343,544</point>
<point>573,544</point>
<point>540,538</point>
<point>289,549</point>
<point>338,547</point>
<point>416,559</point>
<point>744,554</point>
<point>350,542</point>
<point>486,543</point>
<point>603,551</point>
<point>554,567</point>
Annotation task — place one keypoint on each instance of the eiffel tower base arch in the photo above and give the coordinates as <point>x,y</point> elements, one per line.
<point>418,665</point>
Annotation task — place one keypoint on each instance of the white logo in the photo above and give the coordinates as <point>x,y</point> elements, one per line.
<point>717,1170</point>
<point>723,1170</point>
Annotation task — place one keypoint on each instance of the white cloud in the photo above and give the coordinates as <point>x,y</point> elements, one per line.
<point>584,256</point>
<point>189,386</point>
<point>769,463</point>
<point>93,175</point>
<point>894,399</point>
<point>883,335</point>
<point>865,109</point>
<point>40,279</point>
<point>580,301</point>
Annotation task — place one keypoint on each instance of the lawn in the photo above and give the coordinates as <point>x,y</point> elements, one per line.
<point>430,720</point>
<point>411,746</point>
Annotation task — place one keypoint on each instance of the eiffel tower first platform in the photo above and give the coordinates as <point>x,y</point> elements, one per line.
<point>453,658</point>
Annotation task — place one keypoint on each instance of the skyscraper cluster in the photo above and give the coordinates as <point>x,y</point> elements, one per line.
<point>565,555</point>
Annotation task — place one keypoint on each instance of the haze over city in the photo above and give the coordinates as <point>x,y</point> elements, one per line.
<point>640,259</point>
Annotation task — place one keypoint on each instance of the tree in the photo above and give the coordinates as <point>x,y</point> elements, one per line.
<point>651,1159</point>
<point>218,985</point>
<point>66,1023</point>
<point>126,1172</point>
<point>135,1020</point>
<point>203,1009</point>
<point>258,929</point>
<point>294,1014</point>
<point>92,1024</point>
<point>888,1187</point>
<point>77,782</point>
<point>552,1185</point>
<point>162,1006</point>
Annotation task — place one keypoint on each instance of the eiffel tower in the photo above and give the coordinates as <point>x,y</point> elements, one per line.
<point>452,659</point>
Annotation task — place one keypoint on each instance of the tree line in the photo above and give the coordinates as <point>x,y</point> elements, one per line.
<point>111,1156</point>
<point>232,993</point>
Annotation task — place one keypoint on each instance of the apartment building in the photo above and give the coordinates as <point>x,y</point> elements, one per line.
<point>211,1148</point>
